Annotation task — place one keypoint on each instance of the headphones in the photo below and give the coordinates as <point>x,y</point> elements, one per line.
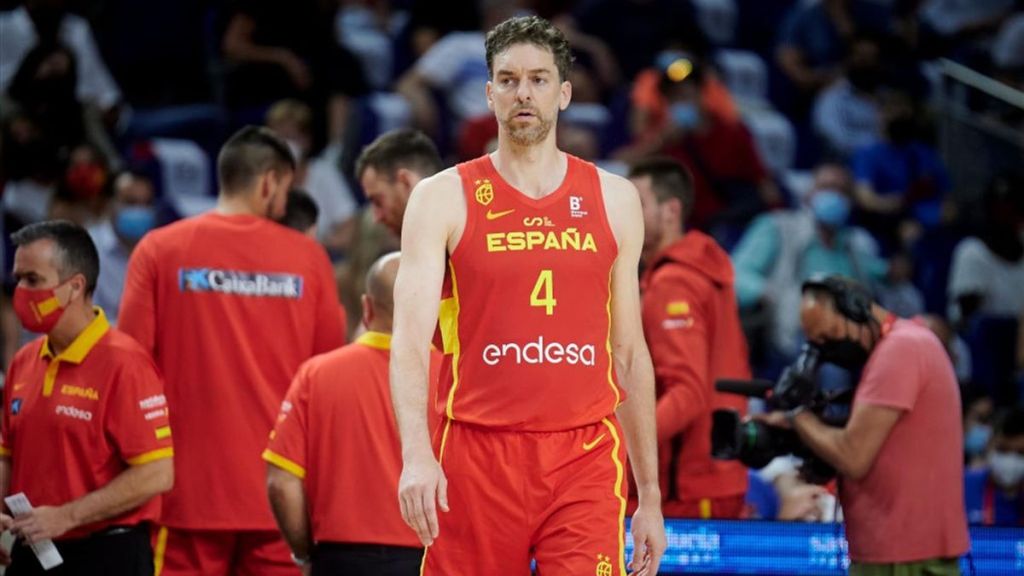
<point>853,300</point>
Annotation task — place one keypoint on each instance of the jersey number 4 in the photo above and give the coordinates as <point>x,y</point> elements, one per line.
<point>543,294</point>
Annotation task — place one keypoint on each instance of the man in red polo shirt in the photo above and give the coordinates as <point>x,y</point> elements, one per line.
<point>85,432</point>
<point>692,327</point>
<point>230,303</point>
<point>334,455</point>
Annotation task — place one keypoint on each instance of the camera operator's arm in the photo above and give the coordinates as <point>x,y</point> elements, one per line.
<point>676,327</point>
<point>850,450</point>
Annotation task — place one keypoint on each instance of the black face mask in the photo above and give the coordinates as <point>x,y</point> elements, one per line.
<point>844,353</point>
<point>864,78</point>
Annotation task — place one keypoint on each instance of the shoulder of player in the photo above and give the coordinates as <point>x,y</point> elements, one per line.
<point>439,195</point>
<point>618,192</point>
<point>331,368</point>
<point>445,183</point>
<point>123,349</point>
<point>27,353</point>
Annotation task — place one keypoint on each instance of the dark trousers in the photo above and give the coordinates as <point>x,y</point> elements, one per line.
<point>338,559</point>
<point>121,551</point>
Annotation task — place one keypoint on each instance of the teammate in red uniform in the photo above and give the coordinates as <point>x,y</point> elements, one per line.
<point>693,329</point>
<point>540,320</point>
<point>230,303</point>
<point>334,455</point>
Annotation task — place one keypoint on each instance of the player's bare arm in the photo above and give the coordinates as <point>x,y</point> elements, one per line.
<point>635,371</point>
<point>432,226</point>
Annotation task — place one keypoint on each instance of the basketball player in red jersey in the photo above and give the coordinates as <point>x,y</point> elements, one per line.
<point>533,254</point>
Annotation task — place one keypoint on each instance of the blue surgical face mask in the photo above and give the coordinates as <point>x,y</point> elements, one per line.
<point>684,114</point>
<point>132,222</point>
<point>831,208</point>
<point>976,439</point>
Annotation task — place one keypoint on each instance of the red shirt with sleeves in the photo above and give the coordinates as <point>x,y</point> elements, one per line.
<point>229,306</point>
<point>337,432</point>
<point>74,421</point>
<point>910,505</point>
<point>692,327</point>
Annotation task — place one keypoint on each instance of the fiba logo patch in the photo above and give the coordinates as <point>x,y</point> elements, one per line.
<point>576,207</point>
<point>484,191</point>
<point>262,284</point>
<point>604,566</point>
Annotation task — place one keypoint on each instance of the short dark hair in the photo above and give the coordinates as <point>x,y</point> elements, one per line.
<point>1010,424</point>
<point>402,148</point>
<point>669,179</point>
<point>76,253</point>
<point>529,30</point>
<point>301,210</point>
<point>249,153</point>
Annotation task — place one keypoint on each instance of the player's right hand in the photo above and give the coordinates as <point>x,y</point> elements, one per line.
<point>421,489</point>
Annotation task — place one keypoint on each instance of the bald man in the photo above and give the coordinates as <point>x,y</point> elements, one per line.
<point>334,457</point>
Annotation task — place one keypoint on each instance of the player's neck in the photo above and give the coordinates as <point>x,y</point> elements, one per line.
<point>238,204</point>
<point>533,170</point>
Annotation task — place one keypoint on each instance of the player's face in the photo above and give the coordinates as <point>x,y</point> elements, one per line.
<point>386,197</point>
<point>652,214</point>
<point>526,93</point>
<point>35,265</point>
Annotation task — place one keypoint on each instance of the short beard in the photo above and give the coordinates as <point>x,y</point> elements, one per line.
<point>529,135</point>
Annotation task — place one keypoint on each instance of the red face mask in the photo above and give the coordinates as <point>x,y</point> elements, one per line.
<point>38,310</point>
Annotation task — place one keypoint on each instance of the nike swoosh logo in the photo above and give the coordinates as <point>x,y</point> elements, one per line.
<point>496,215</point>
<point>19,385</point>
<point>588,446</point>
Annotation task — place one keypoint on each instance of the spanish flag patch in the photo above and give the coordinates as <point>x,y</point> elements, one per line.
<point>678,308</point>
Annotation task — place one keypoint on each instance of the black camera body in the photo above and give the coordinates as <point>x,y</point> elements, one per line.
<point>755,443</point>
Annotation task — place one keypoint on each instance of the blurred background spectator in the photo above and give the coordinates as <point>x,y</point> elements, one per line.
<point>993,490</point>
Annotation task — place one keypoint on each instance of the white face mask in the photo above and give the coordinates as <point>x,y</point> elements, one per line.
<point>1007,468</point>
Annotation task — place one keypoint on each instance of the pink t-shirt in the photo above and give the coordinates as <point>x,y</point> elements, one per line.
<point>910,506</point>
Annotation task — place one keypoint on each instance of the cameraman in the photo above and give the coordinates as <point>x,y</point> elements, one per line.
<point>899,456</point>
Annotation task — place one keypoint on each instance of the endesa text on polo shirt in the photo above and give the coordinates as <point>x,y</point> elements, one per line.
<point>239,283</point>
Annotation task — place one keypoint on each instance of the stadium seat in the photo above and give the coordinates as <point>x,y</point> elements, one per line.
<point>717,19</point>
<point>774,137</point>
<point>186,175</point>
<point>745,74</point>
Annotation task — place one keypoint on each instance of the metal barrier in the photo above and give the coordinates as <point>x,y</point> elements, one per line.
<point>978,138</point>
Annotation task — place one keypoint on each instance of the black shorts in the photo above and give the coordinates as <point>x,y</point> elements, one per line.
<point>331,558</point>
<point>116,551</point>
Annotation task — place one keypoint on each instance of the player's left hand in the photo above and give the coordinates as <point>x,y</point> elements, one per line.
<point>42,523</point>
<point>649,542</point>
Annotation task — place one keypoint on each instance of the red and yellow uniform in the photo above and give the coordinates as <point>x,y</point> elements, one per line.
<point>230,306</point>
<point>531,449</point>
<point>337,432</point>
<point>692,327</point>
<point>82,417</point>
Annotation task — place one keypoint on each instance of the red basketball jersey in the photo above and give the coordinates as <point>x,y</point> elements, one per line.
<point>526,312</point>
